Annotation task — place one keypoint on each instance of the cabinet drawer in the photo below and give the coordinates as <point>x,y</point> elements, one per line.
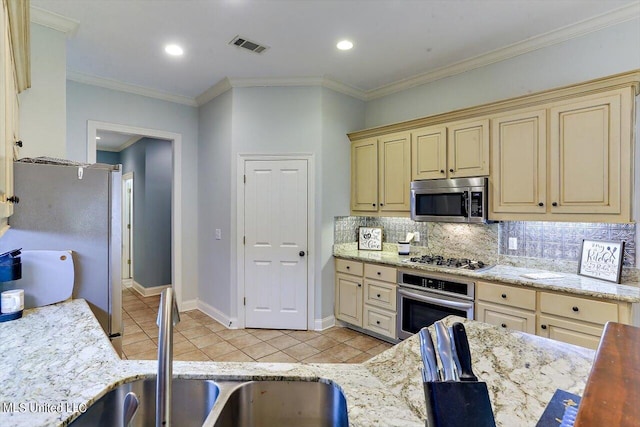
<point>578,308</point>
<point>505,317</point>
<point>507,295</point>
<point>348,267</point>
<point>378,272</point>
<point>380,321</point>
<point>380,294</point>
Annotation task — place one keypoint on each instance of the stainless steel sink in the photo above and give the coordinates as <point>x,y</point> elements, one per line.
<point>280,403</point>
<point>192,403</point>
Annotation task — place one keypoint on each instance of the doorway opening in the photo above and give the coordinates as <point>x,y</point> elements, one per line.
<point>173,196</point>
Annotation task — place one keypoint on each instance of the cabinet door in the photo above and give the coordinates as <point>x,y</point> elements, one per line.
<point>7,94</point>
<point>429,153</point>
<point>576,333</point>
<point>349,299</point>
<point>586,157</point>
<point>468,148</point>
<point>506,317</point>
<point>364,175</point>
<point>380,321</point>
<point>519,163</point>
<point>395,172</point>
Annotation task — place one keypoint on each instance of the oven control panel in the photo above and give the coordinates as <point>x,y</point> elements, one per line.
<point>442,284</point>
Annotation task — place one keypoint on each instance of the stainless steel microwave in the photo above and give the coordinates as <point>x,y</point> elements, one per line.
<point>450,200</point>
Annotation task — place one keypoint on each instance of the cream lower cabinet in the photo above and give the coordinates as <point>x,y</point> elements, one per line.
<point>366,296</point>
<point>380,300</point>
<point>576,320</point>
<point>571,319</point>
<point>349,292</point>
<point>506,306</point>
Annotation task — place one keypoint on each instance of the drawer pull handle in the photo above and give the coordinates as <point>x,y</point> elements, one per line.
<point>378,295</point>
<point>359,285</point>
<point>504,295</point>
<point>348,267</point>
<point>504,325</point>
<point>575,308</point>
<point>379,273</point>
<point>543,326</point>
<point>377,322</point>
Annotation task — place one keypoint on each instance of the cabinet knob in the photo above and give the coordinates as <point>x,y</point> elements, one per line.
<point>554,204</point>
<point>359,285</point>
<point>540,204</point>
<point>19,143</point>
<point>450,170</point>
<point>379,273</point>
<point>543,326</point>
<point>381,204</point>
<point>378,295</point>
<point>441,170</point>
<point>373,204</point>
<point>575,308</point>
<point>348,267</point>
<point>377,322</point>
<point>504,325</point>
<point>504,296</point>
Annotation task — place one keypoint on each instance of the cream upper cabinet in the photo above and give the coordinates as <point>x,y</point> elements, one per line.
<point>590,155</point>
<point>429,153</point>
<point>394,172</point>
<point>518,163</point>
<point>468,148</point>
<point>568,161</point>
<point>380,174</point>
<point>364,175</point>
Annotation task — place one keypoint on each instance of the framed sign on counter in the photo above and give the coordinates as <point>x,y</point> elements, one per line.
<point>370,238</point>
<point>601,259</point>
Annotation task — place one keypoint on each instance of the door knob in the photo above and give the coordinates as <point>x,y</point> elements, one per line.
<point>301,253</point>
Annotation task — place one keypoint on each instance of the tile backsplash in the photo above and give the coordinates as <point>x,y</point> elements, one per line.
<point>550,242</point>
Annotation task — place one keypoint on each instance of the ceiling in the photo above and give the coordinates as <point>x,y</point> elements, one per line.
<point>397,42</point>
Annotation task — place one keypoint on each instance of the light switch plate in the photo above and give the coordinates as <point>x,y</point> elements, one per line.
<point>513,243</point>
<point>416,236</point>
<point>218,234</point>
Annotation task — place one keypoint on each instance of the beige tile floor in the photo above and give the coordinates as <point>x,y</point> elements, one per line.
<point>198,337</point>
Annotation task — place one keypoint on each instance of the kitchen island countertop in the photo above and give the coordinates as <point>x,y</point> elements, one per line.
<point>56,359</point>
<point>564,282</point>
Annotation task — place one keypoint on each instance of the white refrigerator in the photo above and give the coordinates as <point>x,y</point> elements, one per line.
<point>65,206</point>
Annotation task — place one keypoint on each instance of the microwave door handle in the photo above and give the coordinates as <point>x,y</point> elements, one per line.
<point>465,204</point>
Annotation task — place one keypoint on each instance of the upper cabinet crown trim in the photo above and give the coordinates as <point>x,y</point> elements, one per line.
<point>622,80</point>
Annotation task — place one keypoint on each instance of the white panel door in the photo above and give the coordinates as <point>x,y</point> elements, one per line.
<point>276,244</point>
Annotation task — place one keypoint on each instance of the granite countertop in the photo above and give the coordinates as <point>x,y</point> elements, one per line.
<point>56,359</point>
<point>565,282</point>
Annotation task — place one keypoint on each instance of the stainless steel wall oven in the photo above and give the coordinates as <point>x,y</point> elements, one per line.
<point>426,297</point>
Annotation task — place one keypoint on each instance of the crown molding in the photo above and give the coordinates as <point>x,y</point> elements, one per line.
<point>214,91</point>
<point>129,88</point>
<point>560,35</point>
<point>54,21</point>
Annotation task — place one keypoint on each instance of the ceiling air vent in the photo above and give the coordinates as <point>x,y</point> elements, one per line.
<point>248,44</point>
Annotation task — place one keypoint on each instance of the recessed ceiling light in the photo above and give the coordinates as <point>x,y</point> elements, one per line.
<point>344,45</point>
<point>173,50</point>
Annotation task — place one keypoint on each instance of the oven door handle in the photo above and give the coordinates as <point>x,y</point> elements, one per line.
<point>440,301</point>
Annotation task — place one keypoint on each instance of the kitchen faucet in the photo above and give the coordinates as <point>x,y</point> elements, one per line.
<point>168,317</point>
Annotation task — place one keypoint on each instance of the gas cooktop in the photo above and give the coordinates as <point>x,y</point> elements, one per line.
<point>440,261</point>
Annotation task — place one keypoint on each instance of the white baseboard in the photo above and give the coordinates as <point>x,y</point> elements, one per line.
<point>127,283</point>
<point>326,323</point>
<point>214,313</point>
<point>148,292</point>
<point>189,305</point>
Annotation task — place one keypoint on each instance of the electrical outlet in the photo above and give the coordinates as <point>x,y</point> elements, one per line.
<point>513,243</point>
<point>218,234</point>
<point>416,236</point>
